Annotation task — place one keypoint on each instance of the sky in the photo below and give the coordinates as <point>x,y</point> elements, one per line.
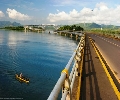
<point>60,12</point>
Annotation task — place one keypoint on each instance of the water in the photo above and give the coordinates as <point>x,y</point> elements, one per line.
<point>39,56</point>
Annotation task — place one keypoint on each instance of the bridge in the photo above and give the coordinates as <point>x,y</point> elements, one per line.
<point>39,28</point>
<point>95,73</point>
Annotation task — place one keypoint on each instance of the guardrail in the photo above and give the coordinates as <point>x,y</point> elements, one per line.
<point>66,80</point>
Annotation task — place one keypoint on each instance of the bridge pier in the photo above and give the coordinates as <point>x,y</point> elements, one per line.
<point>76,36</point>
<point>60,33</point>
<point>26,28</point>
<point>71,35</point>
<point>65,34</point>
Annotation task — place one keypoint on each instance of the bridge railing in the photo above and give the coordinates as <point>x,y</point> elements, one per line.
<point>66,81</point>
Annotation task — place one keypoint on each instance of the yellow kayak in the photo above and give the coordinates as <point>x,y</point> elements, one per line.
<point>22,79</point>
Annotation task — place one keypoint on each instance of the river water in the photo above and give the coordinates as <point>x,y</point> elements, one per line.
<point>39,56</point>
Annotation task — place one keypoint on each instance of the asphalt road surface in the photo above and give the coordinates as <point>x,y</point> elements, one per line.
<point>110,49</point>
<point>95,84</point>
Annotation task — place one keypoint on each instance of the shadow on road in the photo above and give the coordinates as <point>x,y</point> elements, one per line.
<point>89,87</point>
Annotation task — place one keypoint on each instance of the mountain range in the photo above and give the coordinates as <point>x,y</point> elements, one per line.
<point>84,25</point>
<point>94,25</point>
<point>8,23</point>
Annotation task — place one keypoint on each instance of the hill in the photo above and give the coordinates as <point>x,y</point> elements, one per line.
<point>94,25</point>
<point>8,23</point>
<point>89,25</point>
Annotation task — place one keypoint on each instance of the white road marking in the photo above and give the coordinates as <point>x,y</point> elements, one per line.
<point>107,41</point>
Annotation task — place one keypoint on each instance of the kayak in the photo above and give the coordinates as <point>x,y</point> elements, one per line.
<point>22,79</point>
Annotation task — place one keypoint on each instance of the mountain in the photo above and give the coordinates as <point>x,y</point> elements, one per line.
<point>94,25</point>
<point>89,25</point>
<point>8,23</point>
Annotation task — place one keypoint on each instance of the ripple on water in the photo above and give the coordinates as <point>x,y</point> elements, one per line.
<point>40,57</point>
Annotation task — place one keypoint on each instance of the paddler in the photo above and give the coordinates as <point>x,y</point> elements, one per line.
<point>21,75</point>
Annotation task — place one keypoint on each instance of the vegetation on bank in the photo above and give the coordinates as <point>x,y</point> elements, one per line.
<point>106,31</point>
<point>71,28</point>
<point>101,29</point>
<point>98,26</point>
<point>19,28</point>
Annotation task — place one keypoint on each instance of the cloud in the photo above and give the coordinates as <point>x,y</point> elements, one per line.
<point>101,6</point>
<point>66,2</point>
<point>80,3</point>
<point>57,10</point>
<point>101,14</point>
<point>23,4</point>
<point>72,16</point>
<point>58,17</point>
<point>13,14</point>
<point>1,14</point>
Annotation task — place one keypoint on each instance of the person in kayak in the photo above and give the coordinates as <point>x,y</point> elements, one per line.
<point>21,75</point>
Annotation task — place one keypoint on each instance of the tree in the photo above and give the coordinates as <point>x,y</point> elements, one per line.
<point>71,28</point>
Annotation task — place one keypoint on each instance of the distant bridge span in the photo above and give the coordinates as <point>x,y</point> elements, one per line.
<point>39,27</point>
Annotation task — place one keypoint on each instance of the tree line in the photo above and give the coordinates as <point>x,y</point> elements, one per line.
<point>14,28</point>
<point>106,31</point>
<point>71,28</point>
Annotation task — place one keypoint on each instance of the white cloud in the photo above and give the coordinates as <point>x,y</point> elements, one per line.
<point>101,14</point>
<point>13,14</point>
<point>64,2</point>
<point>68,2</point>
<point>58,17</point>
<point>102,6</point>
<point>72,3</point>
<point>57,10</point>
<point>74,13</point>
<point>1,14</point>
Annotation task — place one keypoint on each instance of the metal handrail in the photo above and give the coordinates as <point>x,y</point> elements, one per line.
<point>55,92</point>
<point>72,72</point>
<point>66,81</point>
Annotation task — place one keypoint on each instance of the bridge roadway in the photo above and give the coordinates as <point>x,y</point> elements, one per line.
<point>95,83</point>
<point>110,48</point>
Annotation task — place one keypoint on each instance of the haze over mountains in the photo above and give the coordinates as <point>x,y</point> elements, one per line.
<point>84,25</point>
<point>94,25</point>
<point>8,23</point>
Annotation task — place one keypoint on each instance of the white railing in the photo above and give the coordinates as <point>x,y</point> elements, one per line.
<point>66,81</point>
